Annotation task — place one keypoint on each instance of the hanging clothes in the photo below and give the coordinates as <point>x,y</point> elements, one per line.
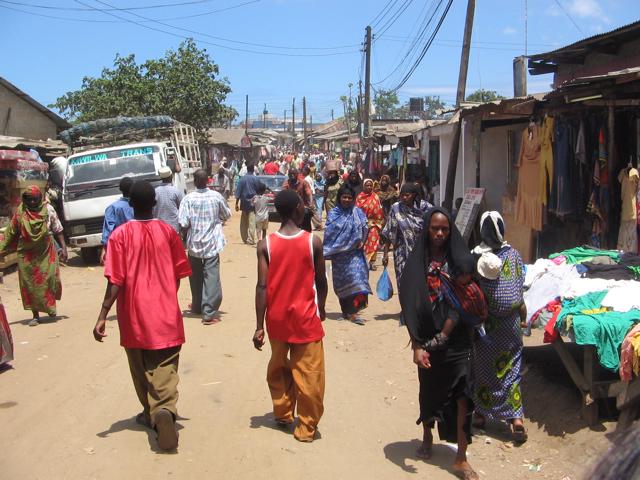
<point>546,158</point>
<point>628,233</point>
<point>562,201</point>
<point>528,201</point>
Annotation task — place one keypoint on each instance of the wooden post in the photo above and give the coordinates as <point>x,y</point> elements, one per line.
<point>367,84</point>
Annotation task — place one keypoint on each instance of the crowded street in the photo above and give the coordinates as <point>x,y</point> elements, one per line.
<point>67,404</point>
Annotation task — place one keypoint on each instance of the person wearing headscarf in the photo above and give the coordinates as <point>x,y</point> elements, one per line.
<point>402,229</point>
<point>497,356</point>
<point>30,233</point>
<point>387,193</point>
<point>331,187</point>
<point>354,181</point>
<point>369,203</point>
<point>344,238</point>
<point>440,252</point>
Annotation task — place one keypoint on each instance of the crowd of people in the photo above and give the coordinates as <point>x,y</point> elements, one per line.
<point>462,308</point>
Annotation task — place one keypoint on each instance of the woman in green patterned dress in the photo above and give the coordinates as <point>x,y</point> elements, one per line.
<point>30,233</point>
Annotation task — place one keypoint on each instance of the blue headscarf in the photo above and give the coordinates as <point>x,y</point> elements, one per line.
<point>346,228</point>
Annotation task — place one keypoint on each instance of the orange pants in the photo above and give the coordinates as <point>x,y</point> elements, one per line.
<point>296,375</point>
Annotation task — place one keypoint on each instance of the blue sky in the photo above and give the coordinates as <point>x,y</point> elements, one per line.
<point>47,57</point>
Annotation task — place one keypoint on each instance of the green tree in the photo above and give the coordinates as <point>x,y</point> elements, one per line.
<point>386,103</point>
<point>184,84</point>
<point>481,96</point>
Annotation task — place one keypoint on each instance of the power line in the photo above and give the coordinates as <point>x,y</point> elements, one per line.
<point>425,48</point>
<point>148,27</point>
<point>396,16</point>
<point>93,20</point>
<point>569,17</point>
<point>51,7</point>
<point>382,13</point>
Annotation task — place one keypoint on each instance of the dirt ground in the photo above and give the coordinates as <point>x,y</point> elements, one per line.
<point>67,406</point>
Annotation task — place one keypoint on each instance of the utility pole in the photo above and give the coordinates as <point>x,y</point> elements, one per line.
<point>304,121</point>
<point>264,116</point>
<point>246,114</point>
<point>367,84</point>
<point>359,110</point>
<point>462,83</point>
<point>332,119</point>
<point>349,114</point>
<point>284,124</point>
<point>293,123</point>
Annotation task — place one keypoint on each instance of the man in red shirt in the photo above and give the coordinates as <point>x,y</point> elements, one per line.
<point>291,293</point>
<point>144,264</point>
<point>271,168</point>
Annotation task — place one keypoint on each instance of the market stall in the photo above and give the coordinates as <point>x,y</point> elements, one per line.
<point>591,297</point>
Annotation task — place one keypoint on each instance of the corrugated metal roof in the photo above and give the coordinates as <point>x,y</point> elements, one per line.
<point>626,31</point>
<point>59,121</point>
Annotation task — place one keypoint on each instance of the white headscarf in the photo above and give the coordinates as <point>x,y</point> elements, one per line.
<point>494,217</point>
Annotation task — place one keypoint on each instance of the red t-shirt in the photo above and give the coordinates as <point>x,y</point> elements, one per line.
<point>270,168</point>
<point>145,258</point>
<point>292,300</point>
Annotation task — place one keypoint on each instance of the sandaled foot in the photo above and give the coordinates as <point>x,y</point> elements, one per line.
<point>479,421</point>
<point>424,452</point>
<point>358,321</point>
<point>465,472</point>
<point>519,432</point>
<point>211,321</point>
<point>143,419</point>
<point>34,322</point>
<point>165,425</point>
<point>283,422</point>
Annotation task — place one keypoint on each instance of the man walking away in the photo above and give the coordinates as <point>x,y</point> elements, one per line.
<point>297,183</point>
<point>291,292</point>
<point>261,205</point>
<point>168,200</point>
<point>144,264</point>
<point>246,191</point>
<point>116,214</point>
<point>201,215</point>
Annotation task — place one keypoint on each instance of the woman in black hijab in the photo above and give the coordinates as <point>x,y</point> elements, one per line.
<point>443,374</point>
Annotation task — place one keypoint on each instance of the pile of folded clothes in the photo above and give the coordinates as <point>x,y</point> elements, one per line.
<point>591,296</point>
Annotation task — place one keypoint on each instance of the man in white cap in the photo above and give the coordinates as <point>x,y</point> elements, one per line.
<point>168,200</point>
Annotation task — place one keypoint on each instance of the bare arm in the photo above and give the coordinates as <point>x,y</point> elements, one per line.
<point>110,296</point>
<point>321,276</point>
<point>63,255</point>
<point>261,294</point>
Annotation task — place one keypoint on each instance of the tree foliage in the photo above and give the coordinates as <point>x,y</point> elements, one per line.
<point>388,106</point>
<point>386,103</point>
<point>481,96</point>
<point>184,84</point>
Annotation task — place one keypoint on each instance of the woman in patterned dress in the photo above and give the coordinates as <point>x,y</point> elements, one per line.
<point>498,355</point>
<point>369,203</point>
<point>344,238</point>
<point>30,233</point>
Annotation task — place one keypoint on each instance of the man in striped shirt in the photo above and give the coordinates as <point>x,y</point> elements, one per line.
<point>201,215</point>
<point>168,200</point>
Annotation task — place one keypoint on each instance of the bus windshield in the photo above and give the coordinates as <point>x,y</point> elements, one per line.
<point>111,165</point>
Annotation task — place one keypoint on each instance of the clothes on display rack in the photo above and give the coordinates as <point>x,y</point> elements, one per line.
<point>628,233</point>
<point>585,253</point>
<point>546,158</point>
<point>529,206</point>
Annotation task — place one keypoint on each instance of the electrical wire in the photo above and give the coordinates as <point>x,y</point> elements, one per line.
<point>92,20</point>
<point>403,8</point>
<point>425,49</point>
<point>382,13</point>
<point>51,7</point>
<point>569,17</point>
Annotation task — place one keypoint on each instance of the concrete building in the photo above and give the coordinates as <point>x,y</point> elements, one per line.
<point>22,116</point>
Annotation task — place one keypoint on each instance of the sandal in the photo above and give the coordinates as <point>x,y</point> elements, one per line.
<point>423,452</point>
<point>358,321</point>
<point>519,433</point>
<point>467,474</point>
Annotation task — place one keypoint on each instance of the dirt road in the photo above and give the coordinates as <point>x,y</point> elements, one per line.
<point>67,407</point>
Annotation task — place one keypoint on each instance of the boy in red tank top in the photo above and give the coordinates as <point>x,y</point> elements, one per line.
<point>290,295</point>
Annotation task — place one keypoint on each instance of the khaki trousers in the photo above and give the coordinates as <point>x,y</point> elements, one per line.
<point>296,376</point>
<point>155,378</point>
<point>248,227</point>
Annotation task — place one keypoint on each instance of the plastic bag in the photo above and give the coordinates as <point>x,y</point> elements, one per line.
<point>384,288</point>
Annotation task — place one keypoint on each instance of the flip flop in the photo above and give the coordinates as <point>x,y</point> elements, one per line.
<point>424,453</point>
<point>467,474</point>
<point>211,321</point>
<point>358,321</point>
<point>519,433</point>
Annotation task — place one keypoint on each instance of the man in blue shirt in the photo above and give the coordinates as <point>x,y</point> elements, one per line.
<point>116,214</point>
<point>246,191</point>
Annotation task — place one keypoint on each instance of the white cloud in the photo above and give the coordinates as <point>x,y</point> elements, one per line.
<point>584,8</point>
<point>509,31</point>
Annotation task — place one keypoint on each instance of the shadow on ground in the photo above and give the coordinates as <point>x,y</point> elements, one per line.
<point>401,452</point>
<point>132,425</point>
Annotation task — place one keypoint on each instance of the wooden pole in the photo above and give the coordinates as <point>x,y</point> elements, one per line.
<point>246,114</point>
<point>304,121</point>
<point>293,123</point>
<point>367,83</point>
<point>462,82</point>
